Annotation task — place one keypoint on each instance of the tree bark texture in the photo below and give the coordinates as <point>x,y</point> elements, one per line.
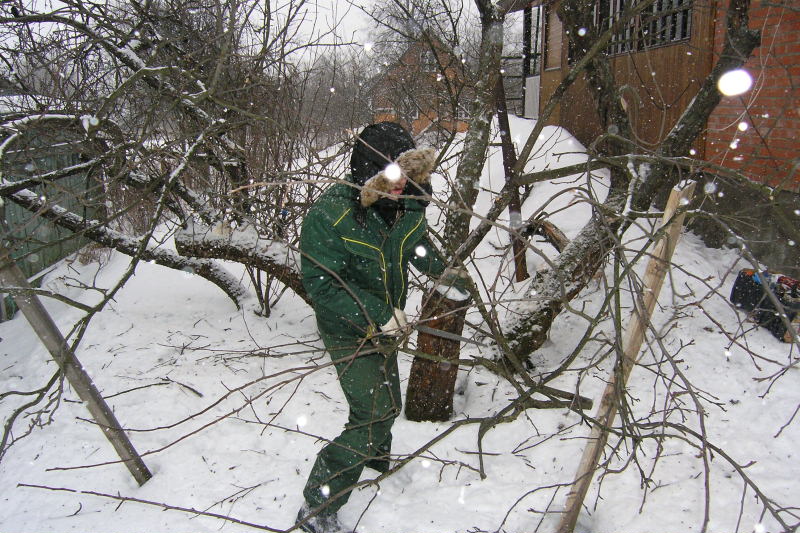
<point>431,384</point>
<point>573,269</point>
<point>247,248</point>
<point>514,206</point>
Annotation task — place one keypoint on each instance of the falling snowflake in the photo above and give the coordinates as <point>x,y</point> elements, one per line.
<point>735,82</point>
<point>420,251</point>
<point>393,172</point>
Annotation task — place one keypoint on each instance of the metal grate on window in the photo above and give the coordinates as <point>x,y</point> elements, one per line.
<point>665,22</point>
<point>668,22</point>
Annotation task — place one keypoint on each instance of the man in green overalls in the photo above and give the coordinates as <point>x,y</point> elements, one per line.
<point>356,243</point>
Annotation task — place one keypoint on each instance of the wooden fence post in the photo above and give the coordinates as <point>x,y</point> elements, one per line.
<point>632,342</point>
<point>45,328</point>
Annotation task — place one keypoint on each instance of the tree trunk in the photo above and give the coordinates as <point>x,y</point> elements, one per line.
<point>514,206</point>
<point>431,384</point>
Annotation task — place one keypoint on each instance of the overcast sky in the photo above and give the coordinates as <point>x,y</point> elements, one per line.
<point>347,21</point>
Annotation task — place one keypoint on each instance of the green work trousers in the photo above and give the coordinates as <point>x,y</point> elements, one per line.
<point>371,385</point>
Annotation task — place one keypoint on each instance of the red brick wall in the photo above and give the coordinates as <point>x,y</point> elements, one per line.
<point>770,146</point>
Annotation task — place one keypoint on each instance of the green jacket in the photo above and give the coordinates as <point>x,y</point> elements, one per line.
<point>356,274</point>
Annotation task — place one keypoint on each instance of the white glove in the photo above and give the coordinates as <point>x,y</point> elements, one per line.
<point>452,284</point>
<point>453,273</point>
<point>396,325</point>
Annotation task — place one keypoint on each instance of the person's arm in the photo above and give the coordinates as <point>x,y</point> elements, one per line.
<point>427,259</point>
<point>323,261</point>
<point>450,281</point>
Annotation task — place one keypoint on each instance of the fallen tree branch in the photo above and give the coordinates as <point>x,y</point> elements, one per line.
<point>17,291</point>
<point>95,231</point>
<point>164,506</point>
<point>244,245</point>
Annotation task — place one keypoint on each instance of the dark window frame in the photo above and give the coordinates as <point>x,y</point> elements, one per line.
<point>665,23</point>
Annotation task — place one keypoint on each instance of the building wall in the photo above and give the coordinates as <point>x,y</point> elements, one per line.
<point>767,151</point>
<point>551,62</point>
<point>770,146</point>
<point>660,81</point>
<point>417,90</point>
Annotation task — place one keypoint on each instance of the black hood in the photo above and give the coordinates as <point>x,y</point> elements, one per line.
<point>376,146</point>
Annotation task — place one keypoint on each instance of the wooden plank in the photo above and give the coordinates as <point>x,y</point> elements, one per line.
<point>634,336</point>
<point>46,329</point>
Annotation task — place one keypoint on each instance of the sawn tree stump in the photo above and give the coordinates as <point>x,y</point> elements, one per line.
<point>431,384</point>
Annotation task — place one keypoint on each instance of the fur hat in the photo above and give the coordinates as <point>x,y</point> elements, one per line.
<point>415,164</point>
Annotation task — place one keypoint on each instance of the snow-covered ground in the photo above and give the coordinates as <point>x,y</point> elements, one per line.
<point>227,406</point>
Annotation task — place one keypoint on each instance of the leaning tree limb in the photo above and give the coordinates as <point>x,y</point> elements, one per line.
<point>95,231</point>
<point>244,245</point>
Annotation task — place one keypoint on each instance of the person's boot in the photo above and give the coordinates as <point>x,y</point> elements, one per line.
<point>319,523</point>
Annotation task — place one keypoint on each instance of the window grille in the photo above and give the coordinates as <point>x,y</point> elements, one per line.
<point>668,22</point>
<point>663,23</point>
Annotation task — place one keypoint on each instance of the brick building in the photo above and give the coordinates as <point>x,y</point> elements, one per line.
<point>423,89</point>
<point>662,56</point>
<point>758,133</point>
